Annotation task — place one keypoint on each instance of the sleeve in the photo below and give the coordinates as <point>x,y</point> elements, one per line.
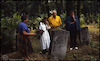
<point>68,24</point>
<point>78,23</point>
<point>60,21</point>
<point>40,27</point>
<point>68,21</point>
<point>24,28</point>
<point>48,27</point>
<point>49,20</point>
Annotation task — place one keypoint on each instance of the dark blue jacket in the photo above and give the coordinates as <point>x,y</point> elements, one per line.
<point>68,25</point>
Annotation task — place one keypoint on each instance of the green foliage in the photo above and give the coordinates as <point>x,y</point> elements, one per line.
<point>92,58</point>
<point>8,31</point>
<point>9,25</point>
<point>11,10</point>
<point>63,19</point>
<point>16,20</point>
<point>8,8</point>
<point>82,19</point>
<point>98,19</point>
<point>36,20</point>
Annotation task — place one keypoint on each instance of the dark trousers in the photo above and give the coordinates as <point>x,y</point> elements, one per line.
<point>73,37</point>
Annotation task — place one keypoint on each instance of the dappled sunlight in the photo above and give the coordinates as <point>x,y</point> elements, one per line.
<point>59,15</point>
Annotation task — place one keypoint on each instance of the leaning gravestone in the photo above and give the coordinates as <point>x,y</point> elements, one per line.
<point>85,36</point>
<point>59,41</point>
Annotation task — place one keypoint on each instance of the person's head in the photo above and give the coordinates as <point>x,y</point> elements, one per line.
<point>24,17</point>
<point>72,13</point>
<point>54,13</point>
<point>45,19</point>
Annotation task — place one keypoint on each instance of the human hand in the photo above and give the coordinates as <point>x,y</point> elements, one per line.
<point>47,22</point>
<point>33,34</point>
<point>74,18</point>
<point>41,31</point>
<point>47,29</point>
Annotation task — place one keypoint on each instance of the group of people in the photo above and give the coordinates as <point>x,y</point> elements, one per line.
<point>53,22</point>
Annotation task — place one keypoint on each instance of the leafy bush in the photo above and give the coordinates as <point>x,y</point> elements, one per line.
<point>82,19</point>
<point>11,23</point>
<point>98,20</point>
<point>63,19</point>
<point>8,32</point>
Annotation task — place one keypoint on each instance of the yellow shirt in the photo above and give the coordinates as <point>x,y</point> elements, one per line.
<point>54,22</point>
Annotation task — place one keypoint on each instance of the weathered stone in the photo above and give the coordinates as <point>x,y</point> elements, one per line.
<point>59,41</point>
<point>85,36</point>
<point>4,57</point>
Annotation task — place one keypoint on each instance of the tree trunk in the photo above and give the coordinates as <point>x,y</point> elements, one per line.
<point>69,6</point>
<point>78,9</point>
<point>17,5</point>
<point>47,6</point>
<point>61,4</point>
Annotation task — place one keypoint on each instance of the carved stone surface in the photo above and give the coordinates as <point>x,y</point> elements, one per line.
<point>85,36</point>
<point>59,41</point>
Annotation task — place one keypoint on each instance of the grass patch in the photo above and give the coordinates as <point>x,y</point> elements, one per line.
<point>86,52</point>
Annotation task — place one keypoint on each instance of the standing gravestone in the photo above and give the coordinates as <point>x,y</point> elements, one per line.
<point>59,41</point>
<point>85,36</point>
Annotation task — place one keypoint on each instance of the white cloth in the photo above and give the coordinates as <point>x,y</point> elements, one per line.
<point>45,38</point>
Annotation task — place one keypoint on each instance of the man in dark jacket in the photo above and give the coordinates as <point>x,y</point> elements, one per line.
<point>73,25</point>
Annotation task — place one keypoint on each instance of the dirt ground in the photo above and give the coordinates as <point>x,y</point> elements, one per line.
<point>86,52</point>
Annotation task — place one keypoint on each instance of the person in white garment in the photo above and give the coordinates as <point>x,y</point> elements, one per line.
<point>45,37</point>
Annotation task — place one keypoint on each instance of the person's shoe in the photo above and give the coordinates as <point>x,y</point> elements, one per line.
<point>76,47</point>
<point>71,48</point>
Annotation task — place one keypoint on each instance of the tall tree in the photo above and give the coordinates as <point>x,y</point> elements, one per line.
<point>78,9</point>
<point>61,3</point>
<point>58,7</point>
<point>47,6</point>
<point>69,6</point>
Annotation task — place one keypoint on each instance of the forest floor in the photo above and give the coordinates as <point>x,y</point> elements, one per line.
<point>86,52</point>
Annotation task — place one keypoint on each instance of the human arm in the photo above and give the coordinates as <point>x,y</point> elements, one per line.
<point>40,28</point>
<point>50,21</point>
<point>25,30</point>
<point>47,27</point>
<point>60,21</point>
<point>68,24</point>
<point>25,33</point>
<point>72,22</point>
<point>74,18</point>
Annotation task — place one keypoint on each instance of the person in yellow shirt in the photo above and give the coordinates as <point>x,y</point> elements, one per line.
<point>54,20</point>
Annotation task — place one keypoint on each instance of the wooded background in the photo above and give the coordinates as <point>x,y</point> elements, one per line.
<point>87,12</point>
